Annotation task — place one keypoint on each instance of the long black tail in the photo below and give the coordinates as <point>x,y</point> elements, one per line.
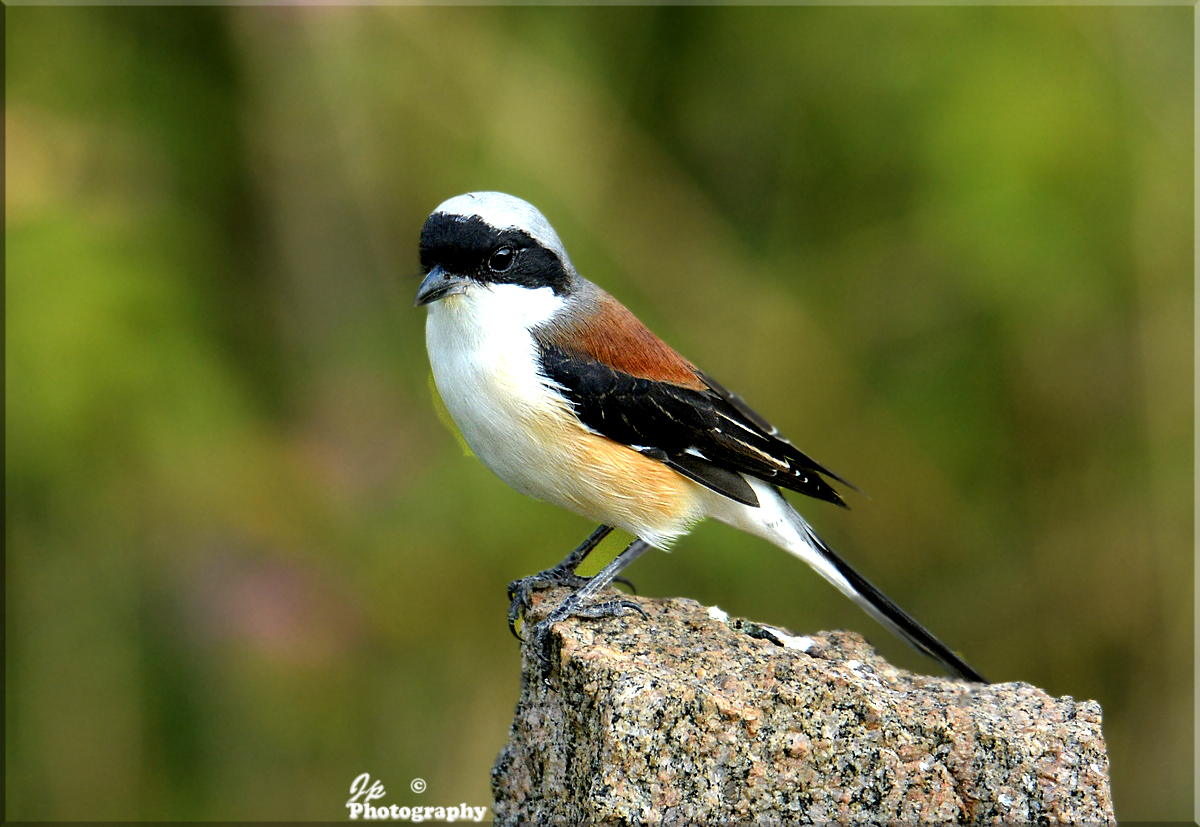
<point>880,606</point>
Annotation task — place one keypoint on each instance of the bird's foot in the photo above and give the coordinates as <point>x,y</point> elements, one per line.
<point>520,592</point>
<point>539,633</point>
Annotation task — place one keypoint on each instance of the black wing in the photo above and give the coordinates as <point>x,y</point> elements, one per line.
<point>707,434</point>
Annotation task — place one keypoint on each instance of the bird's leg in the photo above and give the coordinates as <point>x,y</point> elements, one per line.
<point>579,603</point>
<point>561,575</point>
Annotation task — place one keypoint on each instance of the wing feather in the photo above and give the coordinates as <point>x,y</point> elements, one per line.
<point>701,430</point>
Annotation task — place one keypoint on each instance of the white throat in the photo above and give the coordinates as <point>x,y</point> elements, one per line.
<point>499,314</point>
<point>486,366</point>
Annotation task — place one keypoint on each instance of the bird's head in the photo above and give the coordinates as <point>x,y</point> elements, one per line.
<point>481,240</point>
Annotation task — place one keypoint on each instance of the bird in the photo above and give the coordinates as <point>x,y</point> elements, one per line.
<point>568,398</point>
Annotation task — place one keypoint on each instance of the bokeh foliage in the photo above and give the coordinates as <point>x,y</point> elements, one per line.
<point>947,250</point>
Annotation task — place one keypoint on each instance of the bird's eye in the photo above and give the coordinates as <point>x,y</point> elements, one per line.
<point>502,259</point>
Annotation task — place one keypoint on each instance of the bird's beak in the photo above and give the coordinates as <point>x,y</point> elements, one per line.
<point>439,284</point>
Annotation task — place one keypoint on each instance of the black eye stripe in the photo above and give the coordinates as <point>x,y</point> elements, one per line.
<point>468,246</point>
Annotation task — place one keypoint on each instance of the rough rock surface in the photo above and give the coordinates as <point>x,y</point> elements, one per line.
<point>689,718</point>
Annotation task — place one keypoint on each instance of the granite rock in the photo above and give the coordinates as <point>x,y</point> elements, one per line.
<point>690,717</point>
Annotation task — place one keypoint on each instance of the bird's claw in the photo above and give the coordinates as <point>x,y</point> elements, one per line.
<point>539,634</point>
<point>520,591</point>
<point>625,581</point>
<point>609,608</point>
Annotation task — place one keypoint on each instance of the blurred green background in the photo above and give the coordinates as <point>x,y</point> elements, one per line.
<point>948,251</point>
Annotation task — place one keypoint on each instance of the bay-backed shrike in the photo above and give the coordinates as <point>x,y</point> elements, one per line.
<point>568,398</point>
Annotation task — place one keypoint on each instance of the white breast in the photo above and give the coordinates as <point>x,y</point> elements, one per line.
<point>485,364</point>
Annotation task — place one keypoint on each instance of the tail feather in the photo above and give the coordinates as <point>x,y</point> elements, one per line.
<point>881,607</point>
<point>775,520</point>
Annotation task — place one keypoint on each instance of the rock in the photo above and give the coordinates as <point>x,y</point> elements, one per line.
<point>688,717</point>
